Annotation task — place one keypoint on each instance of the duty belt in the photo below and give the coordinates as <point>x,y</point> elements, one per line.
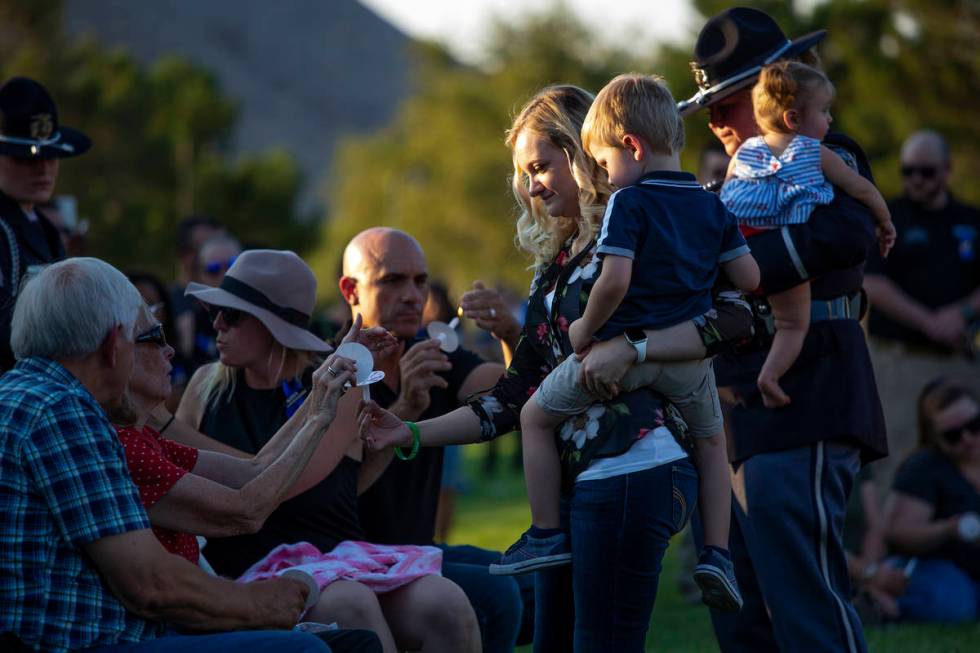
<point>845,307</point>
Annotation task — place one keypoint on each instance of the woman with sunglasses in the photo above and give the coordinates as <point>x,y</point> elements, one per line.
<point>931,511</point>
<point>261,312</point>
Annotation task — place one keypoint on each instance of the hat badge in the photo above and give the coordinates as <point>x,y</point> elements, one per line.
<point>41,126</point>
<point>700,76</point>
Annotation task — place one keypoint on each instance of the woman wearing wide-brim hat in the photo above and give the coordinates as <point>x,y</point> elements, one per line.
<point>262,311</point>
<point>793,466</point>
<point>32,141</point>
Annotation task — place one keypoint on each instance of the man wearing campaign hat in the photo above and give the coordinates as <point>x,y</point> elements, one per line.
<point>793,467</point>
<point>31,144</point>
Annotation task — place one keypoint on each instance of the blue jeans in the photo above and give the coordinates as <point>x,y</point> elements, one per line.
<point>938,591</point>
<point>620,528</point>
<point>787,547</point>
<point>496,600</point>
<point>256,641</point>
<point>253,641</point>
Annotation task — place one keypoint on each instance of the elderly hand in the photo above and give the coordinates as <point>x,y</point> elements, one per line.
<point>380,429</point>
<point>378,340</point>
<point>330,382</point>
<point>605,365</point>
<point>488,309</point>
<point>282,601</point>
<point>420,367</point>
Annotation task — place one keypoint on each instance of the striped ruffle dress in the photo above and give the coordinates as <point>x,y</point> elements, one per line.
<point>771,191</point>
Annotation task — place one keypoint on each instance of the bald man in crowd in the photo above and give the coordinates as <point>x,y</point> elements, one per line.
<point>385,279</point>
<point>925,297</point>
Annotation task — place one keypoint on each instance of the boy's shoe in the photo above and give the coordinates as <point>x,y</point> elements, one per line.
<point>531,553</point>
<point>715,575</point>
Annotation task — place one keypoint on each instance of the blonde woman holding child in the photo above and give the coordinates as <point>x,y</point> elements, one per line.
<point>628,485</point>
<point>662,241</point>
<point>776,179</point>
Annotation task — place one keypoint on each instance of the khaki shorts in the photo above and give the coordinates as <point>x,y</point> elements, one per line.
<point>689,385</point>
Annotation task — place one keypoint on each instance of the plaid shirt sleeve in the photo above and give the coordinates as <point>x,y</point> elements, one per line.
<point>77,465</point>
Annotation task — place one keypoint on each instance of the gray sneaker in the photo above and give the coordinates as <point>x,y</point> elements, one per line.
<point>715,575</point>
<point>533,553</point>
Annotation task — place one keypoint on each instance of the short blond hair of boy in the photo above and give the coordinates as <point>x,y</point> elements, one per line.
<point>635,104</point>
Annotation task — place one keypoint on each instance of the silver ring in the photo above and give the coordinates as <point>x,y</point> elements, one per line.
<point>332,371</point>
<point>493,312</point>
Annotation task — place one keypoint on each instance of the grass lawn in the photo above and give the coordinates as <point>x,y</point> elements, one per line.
<point>493,512</point>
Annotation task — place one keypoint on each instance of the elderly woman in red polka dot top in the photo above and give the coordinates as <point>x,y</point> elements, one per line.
<point>222,493</point>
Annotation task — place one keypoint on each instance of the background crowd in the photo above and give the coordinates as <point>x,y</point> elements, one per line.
<point>199,386</point>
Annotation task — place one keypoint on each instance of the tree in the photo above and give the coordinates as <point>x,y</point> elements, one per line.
<point>440,169</point>
<point>160,145</point>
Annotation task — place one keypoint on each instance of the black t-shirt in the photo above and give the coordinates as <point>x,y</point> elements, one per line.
<point>400,508</point>
<point>932,477</point>
<point>936,260</point>
<point>324,515</point>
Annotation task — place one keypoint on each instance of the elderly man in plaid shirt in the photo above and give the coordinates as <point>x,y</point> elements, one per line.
<point>79,566</point>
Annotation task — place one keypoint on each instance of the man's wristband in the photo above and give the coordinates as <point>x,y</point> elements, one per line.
<point>416,442</point>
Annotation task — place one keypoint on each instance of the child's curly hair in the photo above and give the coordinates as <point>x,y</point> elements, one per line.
<point>783,86</point>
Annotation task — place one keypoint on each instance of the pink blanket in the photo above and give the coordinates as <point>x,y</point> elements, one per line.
<point>379,566</point>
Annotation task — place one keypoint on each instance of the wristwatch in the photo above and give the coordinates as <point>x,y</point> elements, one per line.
<point>638,339</point>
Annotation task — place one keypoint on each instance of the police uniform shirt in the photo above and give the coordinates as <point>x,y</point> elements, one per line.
<point>935,261</point>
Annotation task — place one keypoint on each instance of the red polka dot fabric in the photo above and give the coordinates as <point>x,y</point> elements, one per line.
<point>156,464</point>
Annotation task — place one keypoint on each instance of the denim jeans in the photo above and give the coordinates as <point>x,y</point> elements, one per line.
<point>620,528</point>
<point>939,592</point>
<point>253,641</point>
<point>496,600</point>
<point>256,641</point>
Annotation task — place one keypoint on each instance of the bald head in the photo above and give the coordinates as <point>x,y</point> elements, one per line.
<point>925,169</point>
<point>372,246</point>
<point>385,279</point>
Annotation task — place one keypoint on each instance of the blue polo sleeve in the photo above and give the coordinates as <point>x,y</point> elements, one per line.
<point>623,226</point>
<point>77,465</point>
<point>733,242</point>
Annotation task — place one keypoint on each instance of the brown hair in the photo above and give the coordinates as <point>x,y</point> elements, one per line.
<point>783,86</point>
<point>635,104</point>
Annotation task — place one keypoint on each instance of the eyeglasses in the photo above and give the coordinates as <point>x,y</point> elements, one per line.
<point>155,336</point>
<point>955,434</point>
<point>219,266</point>
<point>231,316</point>
<point>926,172</point>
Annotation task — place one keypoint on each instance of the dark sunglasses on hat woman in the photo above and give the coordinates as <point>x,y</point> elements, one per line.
<point>232,316</point>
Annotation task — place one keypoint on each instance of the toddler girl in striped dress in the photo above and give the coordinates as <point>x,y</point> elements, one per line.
<point>778,178</point>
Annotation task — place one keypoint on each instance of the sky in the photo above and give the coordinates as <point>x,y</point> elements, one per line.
<point>460,23</point>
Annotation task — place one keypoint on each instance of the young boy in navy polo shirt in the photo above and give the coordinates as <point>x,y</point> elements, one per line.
<point>662,241</point>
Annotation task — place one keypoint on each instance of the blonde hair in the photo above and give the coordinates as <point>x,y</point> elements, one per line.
<point>556,113</point>
<point>222,379</point>
<point>635,104</point>
<point>784,86</point>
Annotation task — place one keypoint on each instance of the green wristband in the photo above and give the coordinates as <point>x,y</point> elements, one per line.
<point>416,442</point>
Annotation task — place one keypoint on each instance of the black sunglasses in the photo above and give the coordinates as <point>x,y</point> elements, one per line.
<point>926,172</point>
<point>232,316</point>
<point>155,336</point>
<point>955,434</point>
<point>219,266</point>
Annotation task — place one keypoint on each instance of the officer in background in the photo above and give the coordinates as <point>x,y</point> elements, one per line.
<point>31,145</point>
<point>925,297</point>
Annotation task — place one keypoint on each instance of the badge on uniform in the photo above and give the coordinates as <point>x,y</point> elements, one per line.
<point>966,236</point>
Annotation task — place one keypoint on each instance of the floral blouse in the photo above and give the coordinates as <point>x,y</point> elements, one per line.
<point>604,430</point>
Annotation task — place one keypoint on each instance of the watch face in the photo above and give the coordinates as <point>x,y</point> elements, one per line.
<point>635,335</point>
